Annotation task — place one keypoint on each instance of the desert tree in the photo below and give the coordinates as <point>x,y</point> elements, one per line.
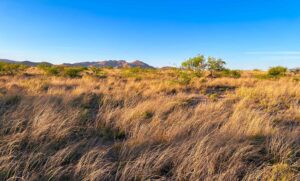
<point>215,65</point>
<point>197,63</point>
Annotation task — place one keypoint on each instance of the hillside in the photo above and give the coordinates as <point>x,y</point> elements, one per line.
<point>134,124</point>
<point>112,63</point>
<point>106,63</point>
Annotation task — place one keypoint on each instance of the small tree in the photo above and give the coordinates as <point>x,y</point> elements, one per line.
<point>196,63</point>
<point>215,65</point>
<point>277,71</point>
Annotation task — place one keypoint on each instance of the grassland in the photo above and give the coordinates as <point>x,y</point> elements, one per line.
<point>133,124</point>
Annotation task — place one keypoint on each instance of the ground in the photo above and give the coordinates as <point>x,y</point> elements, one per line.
<point>131,124</point>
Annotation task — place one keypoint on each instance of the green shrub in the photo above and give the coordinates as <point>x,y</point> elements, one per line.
<point>277,71</point>
<point>44,66</point>
<point>98,72</point>
<point>134,72</point>
<point>11,69</point>
<point>53,71</point>
<point>184,77</point>
<point>73,72</point>
<point>231,73</point>
<point>50,69</point>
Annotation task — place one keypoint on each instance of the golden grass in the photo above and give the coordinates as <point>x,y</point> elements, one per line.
<point>147,126</point>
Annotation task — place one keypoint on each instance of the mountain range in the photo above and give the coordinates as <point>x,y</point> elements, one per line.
<point>106,63</point>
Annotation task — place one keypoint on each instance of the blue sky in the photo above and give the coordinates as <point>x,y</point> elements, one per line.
<point>245,33</point>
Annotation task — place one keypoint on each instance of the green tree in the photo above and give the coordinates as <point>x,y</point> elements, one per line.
<point>215,65</point>
<point>196,63</point>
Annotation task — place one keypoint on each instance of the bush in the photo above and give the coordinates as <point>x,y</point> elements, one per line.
<point>184,77</point>
<point>98,72</point>
<point>277,71</point>
<point>231,73</point>
<point>11,69</point>
<point>136,72</point>
<point>53,71</point>
<point>50,69</point>
<point>73,72</point>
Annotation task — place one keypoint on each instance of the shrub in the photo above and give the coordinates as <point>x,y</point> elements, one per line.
<point>98,72</point>
<point>73,72</point>
<point>184,77</point>
<point>134,72</point>
<point>44,66</point>
<point>231,73</point>
<point>277,71</point>
<point>50,69</point>
<point>11,69</point>
<point>53,71</point>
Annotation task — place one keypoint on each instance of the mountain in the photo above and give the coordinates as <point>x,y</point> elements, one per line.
<point>28,63</point>
<point>107,63</point>
<point>7,61</point>
<point>111,63</point>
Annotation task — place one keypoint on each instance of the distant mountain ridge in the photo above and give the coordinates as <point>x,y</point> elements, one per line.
<point>106,63</point>
<point>111,63</point>
<point>28,63</point>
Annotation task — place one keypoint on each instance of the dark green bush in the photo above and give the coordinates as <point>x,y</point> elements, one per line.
<point>231,73</point>
<point>73,72</point>
<point>53,70</point>
<point>277,71</point>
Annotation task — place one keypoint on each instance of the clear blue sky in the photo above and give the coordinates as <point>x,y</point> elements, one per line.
<point>245,33</point>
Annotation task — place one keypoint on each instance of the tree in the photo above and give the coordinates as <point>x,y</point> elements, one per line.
<point>196,63</point>
<point>214,65</point>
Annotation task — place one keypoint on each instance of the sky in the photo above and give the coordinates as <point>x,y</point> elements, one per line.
<point>247,34</point>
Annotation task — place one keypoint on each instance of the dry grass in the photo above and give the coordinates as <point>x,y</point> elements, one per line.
<point>148,126</point>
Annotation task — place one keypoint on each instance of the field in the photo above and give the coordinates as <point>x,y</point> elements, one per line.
<point>160,124</point>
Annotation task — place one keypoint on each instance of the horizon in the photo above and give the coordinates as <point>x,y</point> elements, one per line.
<point>132,61</point>
<point>247,35</point>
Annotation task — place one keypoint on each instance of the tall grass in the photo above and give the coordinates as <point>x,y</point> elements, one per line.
<point>118,128</point>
